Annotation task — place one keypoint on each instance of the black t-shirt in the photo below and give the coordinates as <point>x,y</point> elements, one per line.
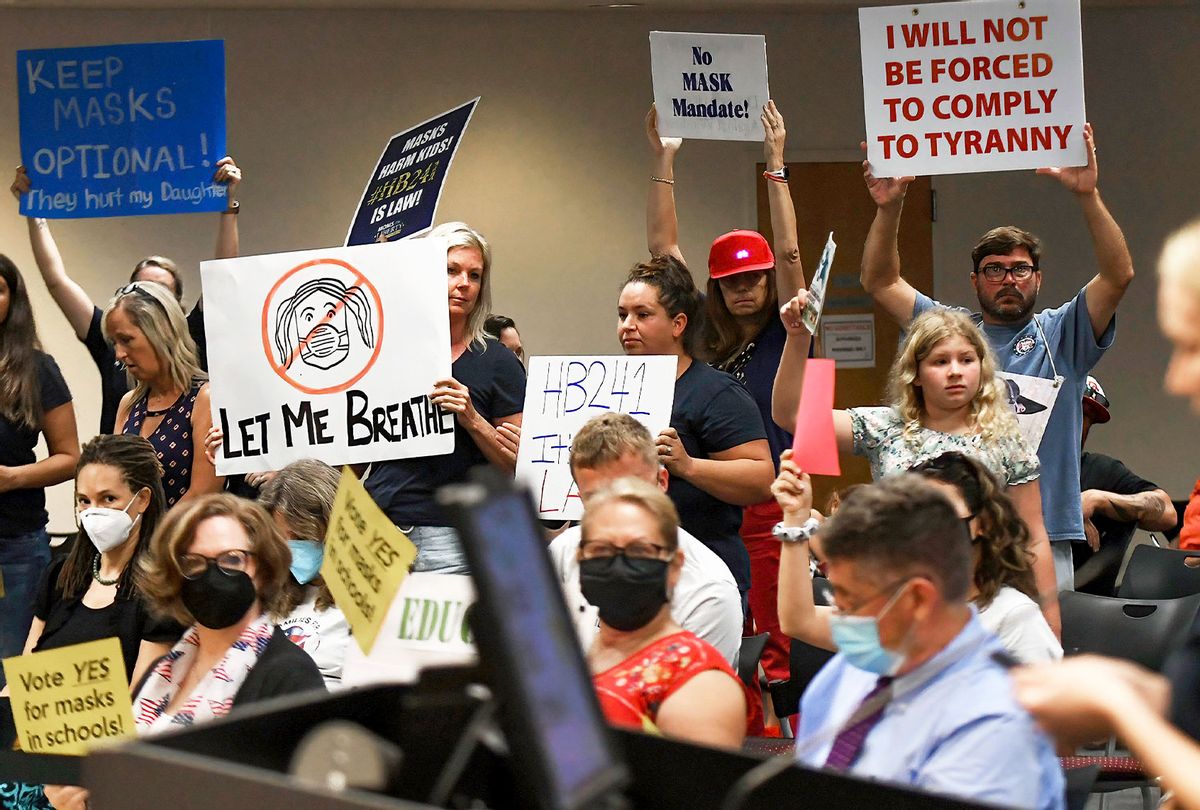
<point>404,488</point>
<point>114,382</point>
<point>1098,471</point>
<point>69,621</point>
<point>195,322</point>
<point>757,373</point>
<point>24,510</point>
<point>712,413</point>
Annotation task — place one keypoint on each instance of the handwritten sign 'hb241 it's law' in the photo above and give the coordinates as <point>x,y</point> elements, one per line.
<point>328,354</point>
<point>401,197</point>
<point>709,86</point>
<point>562,393</point>
<point>987,85</point>
<point>120,130</point>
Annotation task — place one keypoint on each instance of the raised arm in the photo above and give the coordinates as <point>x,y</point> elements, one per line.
<point>880,274</point>
<point>227,231</point>
<point>789,377</point>
<point>70,297</point>
<point>662,226</point>
<point>799,615</point>
<point>1105,291</point>
<point>789,272</point>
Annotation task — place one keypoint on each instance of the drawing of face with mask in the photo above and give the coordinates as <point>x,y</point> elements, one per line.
<point>316,323</point>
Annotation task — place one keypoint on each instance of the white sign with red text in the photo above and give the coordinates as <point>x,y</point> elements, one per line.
<point>977,86</point>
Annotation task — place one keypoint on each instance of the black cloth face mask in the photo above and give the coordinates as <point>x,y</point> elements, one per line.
<point>217,599</point>
<point>627,592</point>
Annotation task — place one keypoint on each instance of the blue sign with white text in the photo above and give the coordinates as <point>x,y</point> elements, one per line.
<point>122,130</point>
<point>401,197</point>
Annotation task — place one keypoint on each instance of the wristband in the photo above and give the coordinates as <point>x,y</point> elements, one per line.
<point>796,534</point>
<point>234,208</point>
<point>666,180</point>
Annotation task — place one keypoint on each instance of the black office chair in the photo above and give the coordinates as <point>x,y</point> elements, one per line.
<point>1160,573</point>
<point>1140,630</point>
<point>748,657</point>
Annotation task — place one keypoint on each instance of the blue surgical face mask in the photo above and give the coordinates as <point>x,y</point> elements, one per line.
<point>306,559</point>
<point>857,638</point>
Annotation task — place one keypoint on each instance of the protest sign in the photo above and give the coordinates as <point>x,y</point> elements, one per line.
<point>366,559</point>
<point>810,316</point>
<point>426,626</point>
<point>973,86</point>
<point>121,130</point>
<point>562,393</point>
<point>814,447</point>
<point>711,86</point>
<point>401,197</point>
<point>1032,400</point>
<point>328,354</point>
<point>66,700</point>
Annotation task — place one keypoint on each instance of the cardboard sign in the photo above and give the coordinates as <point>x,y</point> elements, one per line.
<point>811,314</point>
<point>814,447</point>
<point>121,130</point>
<point>328,354</point>
<point>711,86</point>
<point>401,197</point>
<point>979,86</point>
<point>562,393</point>
<point>65,701</point>
<point>366,559</point>
<point>426,626</point>
<point>1032,401</point>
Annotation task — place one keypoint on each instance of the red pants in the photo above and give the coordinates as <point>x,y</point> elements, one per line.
<point>757,522</point>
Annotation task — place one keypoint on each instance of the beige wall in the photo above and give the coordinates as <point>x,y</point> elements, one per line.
<point>554,171</point>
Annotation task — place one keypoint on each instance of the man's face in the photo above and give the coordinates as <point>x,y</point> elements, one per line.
<point>512,339</point>
<point>1007,299</point>
<point>858,594</point>
<point>152,272</point>
<point>630,465</point>
<point>1179,319</point>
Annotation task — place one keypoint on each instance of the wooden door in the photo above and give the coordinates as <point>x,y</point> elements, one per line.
<point>832,197</point>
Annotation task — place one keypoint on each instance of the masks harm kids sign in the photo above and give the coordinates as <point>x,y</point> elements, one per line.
<point>120,130</point>
<point>709,86</point>
<point>328,354</point>
<point>972,86</point>
<point>562,393</point>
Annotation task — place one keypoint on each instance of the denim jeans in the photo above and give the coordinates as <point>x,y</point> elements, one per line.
<point>439,549</point>
<point>23,559</point>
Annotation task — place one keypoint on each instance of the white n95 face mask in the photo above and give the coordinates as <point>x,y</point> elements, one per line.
<point>107,528</point>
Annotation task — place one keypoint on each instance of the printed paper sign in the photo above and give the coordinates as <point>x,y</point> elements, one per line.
<point>811,315</point>
<point>562,393</point>
<point>426,626</point>
<point>975,86</point>
<point>1032,400</point>
<point>401,198</point>
<point>121,130</point>
<point>366,559</point>
<point>67,700</point>
<point>711,86</point>
<point>849,340</point>
<point>328,354</point>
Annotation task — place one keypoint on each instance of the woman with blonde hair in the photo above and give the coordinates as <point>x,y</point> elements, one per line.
<point>945,397</point>
<point>168,403</point>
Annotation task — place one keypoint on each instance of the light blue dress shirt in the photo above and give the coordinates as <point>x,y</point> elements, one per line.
<point>958,732</point>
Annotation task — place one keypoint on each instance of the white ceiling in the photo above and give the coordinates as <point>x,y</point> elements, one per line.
<point>590,6</point>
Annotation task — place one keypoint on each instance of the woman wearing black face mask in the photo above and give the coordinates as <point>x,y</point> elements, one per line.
<point>220,565</point>
<point>649,673</point>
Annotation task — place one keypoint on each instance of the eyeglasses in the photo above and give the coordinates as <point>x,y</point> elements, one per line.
<point>133,288</point>
<point>996,272</point>
<point>234,561</point>
<point>633,551</point>
<point>891,590</point>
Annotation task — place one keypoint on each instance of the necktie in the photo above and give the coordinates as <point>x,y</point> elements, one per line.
<point>849,742</point>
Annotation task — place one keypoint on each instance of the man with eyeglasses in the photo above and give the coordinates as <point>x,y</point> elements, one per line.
<point>706,599</point>
<point>918,693</point>
<point>1047,355</point>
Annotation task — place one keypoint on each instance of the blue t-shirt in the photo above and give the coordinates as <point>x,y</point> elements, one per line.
<point>1019,350</point>
<point>758,375</point>
<point>404,488</point>
<point>712,413</point>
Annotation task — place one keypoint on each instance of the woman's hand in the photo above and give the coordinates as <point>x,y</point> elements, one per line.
<point>659,146</point>
<point>451,395</point>
<point>792,489</point>
<point>791,312</point>
<point>671,453</point>
<point>21,183</point>
<point>509,435</point>
<point>229,175</point>
<point>774,136</point>
<point>66,797</point>
<point>212,442</point>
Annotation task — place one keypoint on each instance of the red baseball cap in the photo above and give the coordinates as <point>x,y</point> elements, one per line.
<point>1095,403</point>
<point>739,252</point>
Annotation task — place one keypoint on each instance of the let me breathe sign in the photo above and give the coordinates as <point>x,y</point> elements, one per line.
<point>328,354</point>
<point>972,86</point>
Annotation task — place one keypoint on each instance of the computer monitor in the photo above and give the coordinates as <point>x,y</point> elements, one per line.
<point>559,742</point>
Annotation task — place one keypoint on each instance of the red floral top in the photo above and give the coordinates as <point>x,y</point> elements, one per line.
<point>632,692</point>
